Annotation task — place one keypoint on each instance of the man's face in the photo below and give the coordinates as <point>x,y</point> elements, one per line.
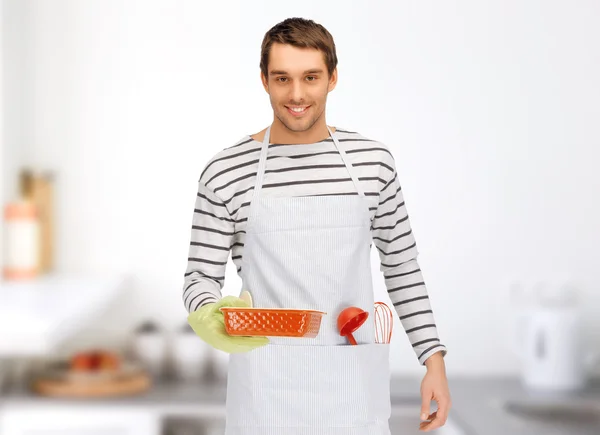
<point>298,78</point>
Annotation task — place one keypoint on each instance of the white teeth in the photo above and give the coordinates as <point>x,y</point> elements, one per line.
<point>298,110</point>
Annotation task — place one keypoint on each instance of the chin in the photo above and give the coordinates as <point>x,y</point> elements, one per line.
<point>298,127</point>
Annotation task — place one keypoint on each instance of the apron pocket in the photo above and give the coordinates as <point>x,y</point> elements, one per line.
<point>309,386</point>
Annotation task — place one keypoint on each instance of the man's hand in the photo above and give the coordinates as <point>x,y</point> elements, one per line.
<point>434,387</point>
<point>208,323</point>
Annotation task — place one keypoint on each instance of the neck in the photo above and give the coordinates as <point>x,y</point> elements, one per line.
<point>282,135</point>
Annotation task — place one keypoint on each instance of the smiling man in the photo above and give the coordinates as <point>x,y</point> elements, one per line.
<point>299,205</point>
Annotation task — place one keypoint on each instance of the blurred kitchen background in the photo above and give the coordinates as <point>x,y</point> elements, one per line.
<point>110,109</point>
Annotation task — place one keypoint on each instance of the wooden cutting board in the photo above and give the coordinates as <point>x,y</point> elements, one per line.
<point>118,383</point>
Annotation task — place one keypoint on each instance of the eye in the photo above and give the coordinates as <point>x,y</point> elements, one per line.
<point>283,78</point>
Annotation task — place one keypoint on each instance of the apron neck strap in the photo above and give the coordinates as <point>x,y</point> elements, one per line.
<point>262,162</point>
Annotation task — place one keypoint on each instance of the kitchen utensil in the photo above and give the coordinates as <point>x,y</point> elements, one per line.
<point>384,320</point>
<point>349,320</point>
<point>273,322</point>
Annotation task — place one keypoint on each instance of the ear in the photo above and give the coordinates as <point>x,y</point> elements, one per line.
<point>333,80</point>
<point>264,81</point>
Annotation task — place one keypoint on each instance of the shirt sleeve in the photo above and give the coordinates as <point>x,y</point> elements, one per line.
<point>210,242</point>
<point>395,242</point>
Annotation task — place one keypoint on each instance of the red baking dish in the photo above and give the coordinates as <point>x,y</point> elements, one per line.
<point>272,322</point>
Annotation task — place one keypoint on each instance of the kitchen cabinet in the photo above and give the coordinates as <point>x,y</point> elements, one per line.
<point>78,420</point>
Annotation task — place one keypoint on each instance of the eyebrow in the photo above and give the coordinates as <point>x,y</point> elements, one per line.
<point>310,71</point>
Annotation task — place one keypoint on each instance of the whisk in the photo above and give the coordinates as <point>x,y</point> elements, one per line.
<point>384,320</point>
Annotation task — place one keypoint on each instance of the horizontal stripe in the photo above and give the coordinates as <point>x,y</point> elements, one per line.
<point>391,227</point>
<point>206,245</point>
<point>418,328</point>
<point>404,287</point>
<point>429,340</point>
<point>218,204</point>
<point>198,227</point>
<point>402,274</point>
<point>213,215</point>
<point>204,260</point>
<point>203,274</point>
<point>408,301</point>
<point>430,348</point>
<point>389,213</point>
<point>399,251</point>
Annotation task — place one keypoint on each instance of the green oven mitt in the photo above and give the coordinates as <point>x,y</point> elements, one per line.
<point>208,323</point>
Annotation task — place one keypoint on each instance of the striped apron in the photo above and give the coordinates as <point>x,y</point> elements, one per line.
<point>310,252</point>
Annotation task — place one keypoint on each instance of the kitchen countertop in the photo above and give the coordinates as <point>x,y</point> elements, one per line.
<point>476,403</point>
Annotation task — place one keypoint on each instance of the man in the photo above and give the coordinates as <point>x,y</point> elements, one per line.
<point>299,204</point>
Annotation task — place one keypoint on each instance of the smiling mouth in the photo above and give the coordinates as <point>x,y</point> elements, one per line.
<point>297,111</point>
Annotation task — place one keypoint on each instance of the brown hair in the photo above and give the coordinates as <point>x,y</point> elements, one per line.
<point>302,33</point>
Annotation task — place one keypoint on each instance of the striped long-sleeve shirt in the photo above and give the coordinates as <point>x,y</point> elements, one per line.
<point>221,210</point>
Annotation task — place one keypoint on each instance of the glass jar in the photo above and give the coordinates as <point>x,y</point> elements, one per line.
<point>21,241</point>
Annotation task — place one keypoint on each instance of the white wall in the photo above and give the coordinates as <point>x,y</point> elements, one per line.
<point>490,109</point>
<point>14,78</point>
<point>2,130</point>
<point>16,48</point>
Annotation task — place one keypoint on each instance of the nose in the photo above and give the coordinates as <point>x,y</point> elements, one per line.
<point>296,93</point>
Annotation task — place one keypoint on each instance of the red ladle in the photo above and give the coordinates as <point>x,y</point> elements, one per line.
<point>349,320</point>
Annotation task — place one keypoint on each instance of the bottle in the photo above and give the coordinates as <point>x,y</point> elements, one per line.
<point>38,187</point>
<point>22,242</point>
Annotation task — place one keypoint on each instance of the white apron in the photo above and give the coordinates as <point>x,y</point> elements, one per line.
<point>310,252</point>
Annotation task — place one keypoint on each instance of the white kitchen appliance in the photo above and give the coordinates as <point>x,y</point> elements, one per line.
<point>551,343</point>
